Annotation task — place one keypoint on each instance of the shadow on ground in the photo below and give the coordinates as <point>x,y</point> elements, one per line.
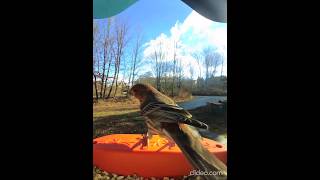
<point>217,121</point>
<point>130,123</point>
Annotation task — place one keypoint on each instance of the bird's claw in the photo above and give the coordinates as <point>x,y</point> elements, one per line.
<point>144,141</point>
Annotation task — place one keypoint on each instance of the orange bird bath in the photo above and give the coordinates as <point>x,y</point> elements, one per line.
<point>123,154</point>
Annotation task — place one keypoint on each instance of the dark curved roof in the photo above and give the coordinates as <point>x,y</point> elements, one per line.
<point>216,10</point>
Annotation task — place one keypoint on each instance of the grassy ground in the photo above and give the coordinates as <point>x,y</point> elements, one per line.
<point>117,116</point>
<point>122,116</point>
<point>111,116</point>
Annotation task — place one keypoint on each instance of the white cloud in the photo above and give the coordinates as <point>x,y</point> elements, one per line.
<point>193,34</point>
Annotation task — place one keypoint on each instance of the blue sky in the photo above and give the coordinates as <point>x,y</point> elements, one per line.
<point>171,20</point>
<point>154,17</point>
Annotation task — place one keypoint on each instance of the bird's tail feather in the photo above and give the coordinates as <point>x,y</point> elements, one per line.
<point>189,141</point>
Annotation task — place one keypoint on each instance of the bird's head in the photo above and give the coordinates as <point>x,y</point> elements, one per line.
<point>145,93</point>
<point>140,91</point>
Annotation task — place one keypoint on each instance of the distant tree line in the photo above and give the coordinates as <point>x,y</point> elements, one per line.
<point>117,52</point>
<point>212,86</point>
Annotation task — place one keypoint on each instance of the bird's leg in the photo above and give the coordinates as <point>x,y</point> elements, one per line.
<point>145,139</point>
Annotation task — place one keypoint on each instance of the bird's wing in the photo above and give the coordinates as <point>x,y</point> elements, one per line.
<point>171,114</point>
<point>190,144</point>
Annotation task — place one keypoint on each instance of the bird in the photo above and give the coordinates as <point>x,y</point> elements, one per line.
<point>167,119</point>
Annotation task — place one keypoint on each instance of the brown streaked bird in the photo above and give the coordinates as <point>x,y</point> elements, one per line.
<point>165,118</point>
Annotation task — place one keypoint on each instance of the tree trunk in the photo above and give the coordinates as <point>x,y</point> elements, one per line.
<point>105,55</point>
<point>158,83</point>
<point>102,81</point>
<point>95,86</point>
<point>133,72</point>
<point>214,69</point>
<point>107,75</point>
<point>129,82</point>
<point>165,84</point>
<point>114,95</point>
<point>108,43</point>
<point>179,82</point>
<point>172,86</point>
<point>130,74</point>
<point>114,75</point>
<point>173,77</point>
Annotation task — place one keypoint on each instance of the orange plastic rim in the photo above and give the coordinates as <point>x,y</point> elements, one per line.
<point>123,154</point>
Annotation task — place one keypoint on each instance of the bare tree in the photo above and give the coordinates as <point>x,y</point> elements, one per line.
<point>114,75</point>
<point>211,61</point>
<point>136,59</point>
<point>166,70</point>
<point>121,30</point>
<point>146,78</point>
<point>198,56</point>
<point>174,65</point>
<point>157,62</point>
<point>216,61</point>
<point>130,76</point>
<point>191,71</point>
<point>207,62</point>
<point>95,85</point>
<point>107,45</point>
<point>107,75</point>
<point>222,62</point>
<point>180,73</point>
<point>95,59</point>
